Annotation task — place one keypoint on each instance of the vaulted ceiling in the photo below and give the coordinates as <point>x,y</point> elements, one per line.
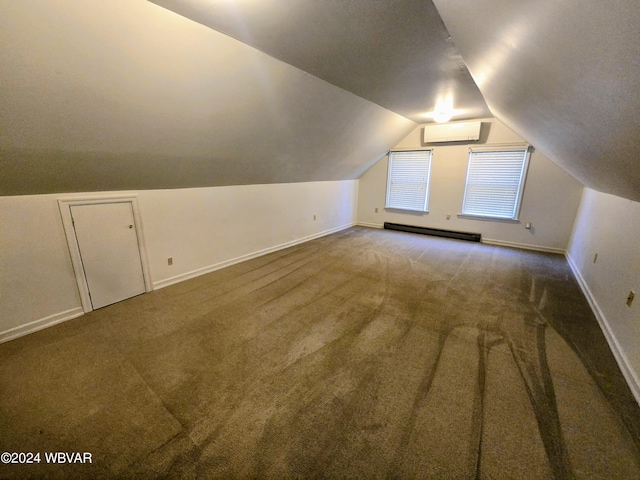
<point>394,53</point>
<point>128,94</point>
<point>565,75</point>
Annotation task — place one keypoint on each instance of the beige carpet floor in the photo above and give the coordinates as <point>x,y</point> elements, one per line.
<point>363,354</point>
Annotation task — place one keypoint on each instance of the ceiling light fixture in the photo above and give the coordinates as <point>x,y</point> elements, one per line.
<point>444,109</point>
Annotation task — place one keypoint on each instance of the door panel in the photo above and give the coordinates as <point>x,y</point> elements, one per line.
<point>108,244</point>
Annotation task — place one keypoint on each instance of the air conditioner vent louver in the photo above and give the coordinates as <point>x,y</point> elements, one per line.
<point>452,132</point>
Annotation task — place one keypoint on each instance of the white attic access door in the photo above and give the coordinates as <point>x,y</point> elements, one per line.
<point>107,249</point>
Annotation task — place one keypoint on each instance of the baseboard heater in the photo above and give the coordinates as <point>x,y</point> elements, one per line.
<point>472,237</point>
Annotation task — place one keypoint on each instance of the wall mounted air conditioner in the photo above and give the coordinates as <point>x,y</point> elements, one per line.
<point>452,132</point>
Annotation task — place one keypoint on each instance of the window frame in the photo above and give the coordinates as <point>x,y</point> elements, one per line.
<point>526,153</point>
<point>394,156</point>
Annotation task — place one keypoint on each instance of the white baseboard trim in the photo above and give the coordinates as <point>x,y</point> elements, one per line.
<point>628,372</point>
<point>523,246</point>
<point>371,225</point>
<point>491,241</point>
<point>22,330</point>
<point>227,263</point>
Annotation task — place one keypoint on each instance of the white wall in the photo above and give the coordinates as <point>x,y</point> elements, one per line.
<point>204,227</point>
<point>201,228</point>
<point>550,202</point>
<point>610,226</point>
<point>37,282</point>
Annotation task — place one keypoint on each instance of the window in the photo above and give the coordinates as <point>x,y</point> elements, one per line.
<point>495,181</point>
<point>408,181</point>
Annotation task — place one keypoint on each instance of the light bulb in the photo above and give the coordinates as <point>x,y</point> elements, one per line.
<point>441,116</point>
<point>444,109</point>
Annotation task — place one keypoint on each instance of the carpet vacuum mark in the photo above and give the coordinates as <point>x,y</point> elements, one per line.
<point>363,354</point>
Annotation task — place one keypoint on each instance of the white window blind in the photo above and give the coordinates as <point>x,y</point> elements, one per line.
<point>495,180</point>
<point>408,180</point>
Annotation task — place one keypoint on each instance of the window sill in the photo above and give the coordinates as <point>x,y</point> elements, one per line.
<point>486,218</point>
<point>406,210</point>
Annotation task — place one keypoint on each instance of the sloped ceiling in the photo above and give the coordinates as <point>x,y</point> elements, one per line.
<point>124,94</point>
<point>395,53</point>
<point>565,75</point>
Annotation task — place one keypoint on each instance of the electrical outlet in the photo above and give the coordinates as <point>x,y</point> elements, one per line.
<point>314,217</point>
<point>630,298</point>
<point>376,209</point>
<point>170,261</point>
<point>595,258</point>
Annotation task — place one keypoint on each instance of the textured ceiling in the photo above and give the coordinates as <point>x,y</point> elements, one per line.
<point>394,53</point>
<point>124,94</point>
<point>565,75</point>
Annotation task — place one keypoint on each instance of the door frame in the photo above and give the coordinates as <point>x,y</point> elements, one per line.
<point>65,204</point>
